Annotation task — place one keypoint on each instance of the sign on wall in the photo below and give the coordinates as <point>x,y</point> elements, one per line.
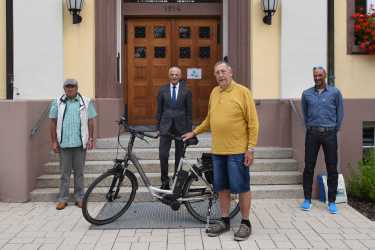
<point>194,73</point>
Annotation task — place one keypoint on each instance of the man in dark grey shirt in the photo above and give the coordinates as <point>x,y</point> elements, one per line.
<point>323,111</point>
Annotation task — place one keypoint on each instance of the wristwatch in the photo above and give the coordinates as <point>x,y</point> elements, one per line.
<point>251,150</point>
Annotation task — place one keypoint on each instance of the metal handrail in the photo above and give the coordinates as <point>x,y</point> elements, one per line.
<point>299,116</point>
<point>38,124</point>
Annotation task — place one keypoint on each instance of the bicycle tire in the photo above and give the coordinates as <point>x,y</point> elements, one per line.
<point>198,209</point>
<point>98,213</point>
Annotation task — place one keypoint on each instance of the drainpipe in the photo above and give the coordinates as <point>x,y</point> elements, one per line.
<point>9,49</point>
<point>331,42</point>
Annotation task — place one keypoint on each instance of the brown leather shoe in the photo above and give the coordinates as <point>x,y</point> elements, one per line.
<point>61,205</point>
<point>78,204</point>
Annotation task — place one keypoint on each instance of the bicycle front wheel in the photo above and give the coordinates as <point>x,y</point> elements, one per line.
<point>108,197</point>
<point>196,188</point>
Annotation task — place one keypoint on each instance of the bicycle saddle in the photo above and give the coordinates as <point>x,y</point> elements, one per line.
<point>192,141</point>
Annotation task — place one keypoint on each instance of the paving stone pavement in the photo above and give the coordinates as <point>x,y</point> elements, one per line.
<point>277,224</point>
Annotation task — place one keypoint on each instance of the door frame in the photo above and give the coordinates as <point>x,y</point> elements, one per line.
<point>105,29</point>
<point>238,30</point>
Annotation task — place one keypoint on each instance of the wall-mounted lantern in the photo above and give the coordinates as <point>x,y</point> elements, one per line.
<point>269,8</point>
<point>75,7</point>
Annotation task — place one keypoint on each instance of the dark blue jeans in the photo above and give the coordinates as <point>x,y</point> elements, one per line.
<point>328,140</point>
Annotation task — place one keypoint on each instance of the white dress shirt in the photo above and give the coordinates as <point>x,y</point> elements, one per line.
<point>171,88</point>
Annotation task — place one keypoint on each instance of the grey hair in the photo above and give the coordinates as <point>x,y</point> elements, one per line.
<point>70,81</point>
<point>174,66</point>
<point>223,62</point>
<point>315,68</point>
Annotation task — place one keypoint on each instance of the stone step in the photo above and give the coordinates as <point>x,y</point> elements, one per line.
<point>153,166</point>
<point>258,192</point>
<point>257,178</point>
<point>191,153</point>
<point>204,141</point>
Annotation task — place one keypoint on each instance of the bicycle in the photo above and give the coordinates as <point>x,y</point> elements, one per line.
<point>117,186</point>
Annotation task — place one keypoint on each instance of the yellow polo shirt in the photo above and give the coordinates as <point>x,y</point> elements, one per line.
<point>232,118</point>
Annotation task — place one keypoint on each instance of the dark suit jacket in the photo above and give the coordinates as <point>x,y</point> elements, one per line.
<point>180,114</point>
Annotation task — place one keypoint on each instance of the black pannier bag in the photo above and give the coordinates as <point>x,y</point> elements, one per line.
<point>207,167</point>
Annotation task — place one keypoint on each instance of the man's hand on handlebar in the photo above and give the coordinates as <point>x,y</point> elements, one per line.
<point>188,136</point>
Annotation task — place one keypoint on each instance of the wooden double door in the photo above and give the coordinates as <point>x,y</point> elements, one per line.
<point>153,46</point>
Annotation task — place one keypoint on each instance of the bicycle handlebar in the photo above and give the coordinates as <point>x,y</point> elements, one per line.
<point>140,134</point>
<point>137,132</point>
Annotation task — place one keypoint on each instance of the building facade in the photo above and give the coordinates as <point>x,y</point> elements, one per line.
<point>122,49</point>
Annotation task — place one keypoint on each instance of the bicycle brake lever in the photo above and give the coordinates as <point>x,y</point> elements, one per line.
<point>146,140</point>
<point>143,138</point>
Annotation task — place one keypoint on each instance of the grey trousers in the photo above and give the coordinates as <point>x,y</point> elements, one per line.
<point>72,159</point>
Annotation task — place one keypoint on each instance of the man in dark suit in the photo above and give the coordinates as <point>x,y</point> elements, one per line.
<point>174,115</point>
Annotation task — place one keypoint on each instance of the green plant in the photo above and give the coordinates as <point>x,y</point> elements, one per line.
<point>362,183</point>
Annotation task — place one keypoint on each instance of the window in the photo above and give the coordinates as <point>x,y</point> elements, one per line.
<point>140,52</point>
<point>140,32</point>
<point>184,32</point>
<point>159,32</point>
<point>159,52</point>
<point>185,52</point>
<point>204,32</point>
<point>204,52</point>
<point>368,136</point>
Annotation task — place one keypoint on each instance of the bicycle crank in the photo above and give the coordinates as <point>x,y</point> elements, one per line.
<point>171,201</point>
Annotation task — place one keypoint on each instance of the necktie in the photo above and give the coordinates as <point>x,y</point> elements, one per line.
<point>174,99</point>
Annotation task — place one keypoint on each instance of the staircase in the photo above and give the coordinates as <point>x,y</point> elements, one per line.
<point>274,173</point>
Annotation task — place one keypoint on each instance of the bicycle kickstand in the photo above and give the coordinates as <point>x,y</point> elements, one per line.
<point>208,214</point>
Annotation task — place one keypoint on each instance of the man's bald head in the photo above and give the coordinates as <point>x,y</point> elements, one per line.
<point>174,74</point>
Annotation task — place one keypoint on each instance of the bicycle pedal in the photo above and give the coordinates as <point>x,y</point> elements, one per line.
<point>175,206</point>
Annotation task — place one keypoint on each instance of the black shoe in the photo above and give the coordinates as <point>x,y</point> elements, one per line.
<point>243,232</point>
<point>217,229</point>
<point>165,186</point>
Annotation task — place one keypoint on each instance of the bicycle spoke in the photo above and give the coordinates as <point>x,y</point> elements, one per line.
<point>103,203</point>
<point>198,208</point>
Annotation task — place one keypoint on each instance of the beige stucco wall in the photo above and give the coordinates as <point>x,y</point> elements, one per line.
<point>355,75</point>
<point>2,51</point>
<point>265,54</point>
<point>79,48</point>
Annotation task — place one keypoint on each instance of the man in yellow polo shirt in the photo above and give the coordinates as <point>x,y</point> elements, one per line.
<point>233,121</point>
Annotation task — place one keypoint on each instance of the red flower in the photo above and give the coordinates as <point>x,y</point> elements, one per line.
<point>364,28</point>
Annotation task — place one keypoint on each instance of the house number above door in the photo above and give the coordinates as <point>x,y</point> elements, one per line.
<point>172,8</point>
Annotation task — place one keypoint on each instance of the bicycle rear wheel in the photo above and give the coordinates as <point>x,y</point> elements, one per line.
<point>195,187</point>
<point>108,197</point>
